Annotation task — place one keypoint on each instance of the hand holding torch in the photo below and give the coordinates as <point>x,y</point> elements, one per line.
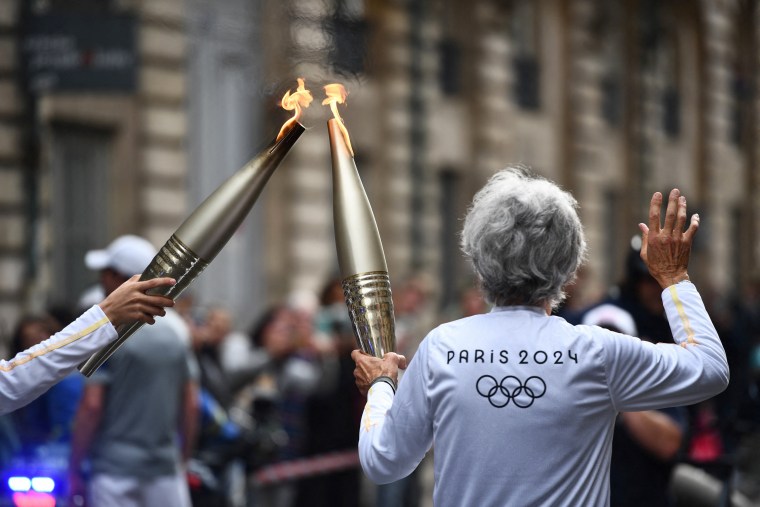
<point>366,284</point>
<point>205,232</point>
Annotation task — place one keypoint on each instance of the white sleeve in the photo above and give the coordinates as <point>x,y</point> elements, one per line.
<point>644,376</point>
<point>397,431</point>
<point>35,370</point>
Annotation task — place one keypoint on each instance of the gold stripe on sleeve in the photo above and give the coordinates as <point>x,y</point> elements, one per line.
<point>367,418</point>
<point>682,313</point>
<point>54,346</point>
<point>370,417</point>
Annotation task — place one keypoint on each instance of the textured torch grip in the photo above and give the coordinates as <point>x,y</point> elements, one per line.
<point>174,260</point>
<point>370,306</point>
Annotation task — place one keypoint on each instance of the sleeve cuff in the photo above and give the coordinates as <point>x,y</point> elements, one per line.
<point>379,387</point>
<point>383,379</point>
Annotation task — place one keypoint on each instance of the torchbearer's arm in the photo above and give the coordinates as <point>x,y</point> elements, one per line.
<point>389,451</point>
<point>35,370</point>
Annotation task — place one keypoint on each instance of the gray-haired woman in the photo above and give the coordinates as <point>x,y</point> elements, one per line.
<point>521,405</point>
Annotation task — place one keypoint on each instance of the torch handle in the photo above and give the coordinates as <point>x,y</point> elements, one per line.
<point>174,260</point>
<point>370,306</point>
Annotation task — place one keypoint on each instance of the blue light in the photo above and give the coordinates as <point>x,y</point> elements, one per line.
<point>43,484</point>
<point>19,483</point>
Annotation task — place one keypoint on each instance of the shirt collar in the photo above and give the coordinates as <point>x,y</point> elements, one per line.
<point>534,309</point>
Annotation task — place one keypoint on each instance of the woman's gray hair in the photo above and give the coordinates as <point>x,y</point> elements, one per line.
<point>524,239</point>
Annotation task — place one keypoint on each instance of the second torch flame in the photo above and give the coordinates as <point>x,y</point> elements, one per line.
<point>364,273</point>
<point>336,94</point>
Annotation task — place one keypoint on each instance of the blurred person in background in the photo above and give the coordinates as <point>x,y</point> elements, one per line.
<point>91,296</point>
<point>138,405</point>
<point>208,338</point>
<point>575,304</point>
<point>47,419</point>
<point>34,370</point>
<point>333,408</point>
<point>639,295</point>
<point>745,396</point>
<point>331,320</point>
<point>238,358</point>
<point>226,437</point>
<point>412,313</point>
<point>532,424</point>
<point>746,333</point>
<point>470,301</point>
<point>280,391</point>
<point>42,362</point>
<point>705,433</point>
<point>645,444</point>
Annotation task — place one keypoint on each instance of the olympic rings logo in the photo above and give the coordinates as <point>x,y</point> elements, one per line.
<point>512,389</point>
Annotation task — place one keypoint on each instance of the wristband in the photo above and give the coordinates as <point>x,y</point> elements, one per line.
<point>385,379</point>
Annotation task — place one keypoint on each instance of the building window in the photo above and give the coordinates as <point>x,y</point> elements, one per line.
<point>450,67</point>
<point>615,238</point>
<point>662,62</point>
<point>525,63</point>
<point>80,166</point>
<point>612,99</point>
<point>526,82</point>
<point>349,32</point>
<point>667,66</point>
<point>449,182</point>
<point>78,5</point>
<point>606,28</point>
<point>671,111</point>
<point>743,69</point>
<point>455,27</point>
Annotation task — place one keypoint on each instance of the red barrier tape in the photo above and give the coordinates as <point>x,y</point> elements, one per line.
<point>306,467</point>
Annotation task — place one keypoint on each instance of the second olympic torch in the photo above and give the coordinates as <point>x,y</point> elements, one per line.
<point>205,232</point>
<point>366,284</point>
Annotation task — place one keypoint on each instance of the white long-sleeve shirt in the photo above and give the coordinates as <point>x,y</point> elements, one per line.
<point>521,405</point>
<point>35,370</point>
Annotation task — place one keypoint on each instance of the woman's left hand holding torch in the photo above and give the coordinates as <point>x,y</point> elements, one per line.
<point>129,303</point>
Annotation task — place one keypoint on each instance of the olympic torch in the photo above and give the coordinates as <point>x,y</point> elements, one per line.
<point>205,232</point>
<point>366,284</point>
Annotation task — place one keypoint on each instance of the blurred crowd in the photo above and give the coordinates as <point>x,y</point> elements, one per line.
<point>686,456</point>
<point>278,413</point>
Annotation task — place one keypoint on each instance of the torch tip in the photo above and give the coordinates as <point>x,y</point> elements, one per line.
<point>288,135</point>
<point>339,139</point>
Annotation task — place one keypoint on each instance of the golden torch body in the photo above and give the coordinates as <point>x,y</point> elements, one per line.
<point>366,285</point>
<point>205,232</point>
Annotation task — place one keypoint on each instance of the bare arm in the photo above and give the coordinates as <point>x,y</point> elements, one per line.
<point>654,431</point>
<point>86,425</point>
<point>189,418</point>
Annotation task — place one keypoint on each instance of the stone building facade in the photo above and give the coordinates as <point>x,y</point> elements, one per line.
<point>612,99</point>
<point>81,167</point>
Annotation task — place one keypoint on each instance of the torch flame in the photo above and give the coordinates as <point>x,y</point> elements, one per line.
<point>336,94</point>
<point>294,102</point>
